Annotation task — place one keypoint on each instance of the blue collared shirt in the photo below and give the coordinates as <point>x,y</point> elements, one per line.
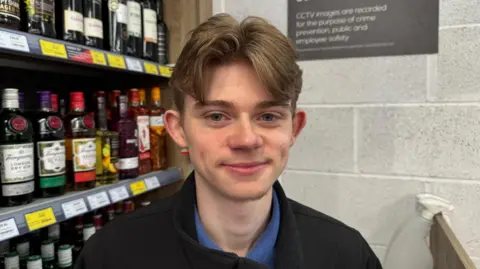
<point>264,250</point>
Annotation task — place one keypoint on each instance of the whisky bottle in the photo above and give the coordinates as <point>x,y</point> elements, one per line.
<point>158,135</point>
<point>16,153</point>
<point>49,149</point>
<point>80,145</point>
<point>107,147</point>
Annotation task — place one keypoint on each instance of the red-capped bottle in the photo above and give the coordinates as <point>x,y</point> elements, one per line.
<point>140,114</point>
<point>54,100</point>
<point>80,145</point>
<point>128,206</point>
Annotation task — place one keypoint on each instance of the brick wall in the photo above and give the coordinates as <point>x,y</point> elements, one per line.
<point>381,130</point>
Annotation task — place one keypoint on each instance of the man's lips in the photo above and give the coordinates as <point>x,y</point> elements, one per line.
<point>246,168</point>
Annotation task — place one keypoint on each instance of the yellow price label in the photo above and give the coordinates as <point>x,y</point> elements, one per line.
<point>53,49</point>
<point>98,57</point>
<point>116,61</point>
<point>138,187</point>
<point>40,219</point>
<point>150,68</point>
<point>165,71</point>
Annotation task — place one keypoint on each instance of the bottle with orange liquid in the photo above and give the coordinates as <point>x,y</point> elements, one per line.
<point>158,135</point>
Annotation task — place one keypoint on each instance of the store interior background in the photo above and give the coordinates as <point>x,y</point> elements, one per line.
<point>381,130</point>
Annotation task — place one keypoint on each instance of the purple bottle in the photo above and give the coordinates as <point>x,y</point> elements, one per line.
<point>127,129</point>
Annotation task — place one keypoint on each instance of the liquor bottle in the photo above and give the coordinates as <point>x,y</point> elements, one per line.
<point>49,149</point>
<point>127,129</point>
<point>140,114</point>
<point>21,101</point>
<point>63,109</point>
<point>107,144</point>
<point>93,23</point>
<point>54,100</point>
<point>88,231</point>
<point>162,32</point>
<point>10,14</point>
<point>48,254</point>
<point>150,35</point>
<point>4,250</point>
<point>98,221</point>
<point>158,135</point>
<point>108,213</point>
<point>65,260</point>
<point>34,262</point>
<point>12,260</point>
<point>71,21</point>
<point>54,235</point>
<point>119,208</point>
<point>23,250</point>
<point>116,29</point>
<point>16,153</point>
<point>128,206</point>
<point>80,145</point>
<point>40,17</point>
<point>78,239</point>
<point>113,110</point>
<point>134,28</point>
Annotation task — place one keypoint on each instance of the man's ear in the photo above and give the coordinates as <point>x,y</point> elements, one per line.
<point>173,123</point>
<point>299,121</point>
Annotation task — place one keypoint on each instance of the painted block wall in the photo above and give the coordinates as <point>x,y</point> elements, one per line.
<point>383,129</point>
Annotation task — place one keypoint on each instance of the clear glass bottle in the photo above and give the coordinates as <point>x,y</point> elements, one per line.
<point>16,153</point>
<point>107,143</point>
<point>80,145</point>
<point>158,135</point>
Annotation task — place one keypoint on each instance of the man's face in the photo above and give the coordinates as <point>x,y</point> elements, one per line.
<point>239,140</point>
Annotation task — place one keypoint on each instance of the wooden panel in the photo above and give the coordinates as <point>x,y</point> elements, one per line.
<point>447,251</point>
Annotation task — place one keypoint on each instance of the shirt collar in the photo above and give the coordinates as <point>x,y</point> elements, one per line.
<point>264,250</point>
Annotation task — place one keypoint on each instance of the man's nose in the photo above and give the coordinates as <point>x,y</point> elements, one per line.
<point>244,136</point>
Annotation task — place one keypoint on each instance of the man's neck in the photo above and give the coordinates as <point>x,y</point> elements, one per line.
<point>234,226</point>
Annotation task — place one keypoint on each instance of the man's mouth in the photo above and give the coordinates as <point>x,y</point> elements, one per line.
<point>246,168</point>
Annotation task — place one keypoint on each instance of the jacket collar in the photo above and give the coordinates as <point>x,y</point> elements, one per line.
<point>288,248</point>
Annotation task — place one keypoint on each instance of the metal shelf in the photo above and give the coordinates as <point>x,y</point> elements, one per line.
<point>59,62</point>
<point>15,221</point>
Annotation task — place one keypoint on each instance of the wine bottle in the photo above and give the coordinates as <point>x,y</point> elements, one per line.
<point>134,29</point>
<point>41,17</point>
<point>93,23</point>
<point>150,30</point>
<point>162,32</point>
<point>10,14</point>
<point>72,26</point>
<point>117,15</point>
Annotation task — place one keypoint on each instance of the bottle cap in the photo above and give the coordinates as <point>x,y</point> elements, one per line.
<point>156,94</point>
<point>77,101</point>
<point>88,231</point>
<point>65,255</point>
<point>47,250</point>
<point>10,98</point>
<point>54,101</point>
<point>34,262</point>
<point>12,260</point>
<point>54,231</point>
<point>45,99</point>
<point>23,249</point>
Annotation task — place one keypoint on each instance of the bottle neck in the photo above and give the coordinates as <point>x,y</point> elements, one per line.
<point>123,110</point>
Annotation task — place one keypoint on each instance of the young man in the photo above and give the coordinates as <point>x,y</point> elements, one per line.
<point>235,88</point>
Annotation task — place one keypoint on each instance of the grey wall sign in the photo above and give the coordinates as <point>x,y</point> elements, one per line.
<point>325,29</point>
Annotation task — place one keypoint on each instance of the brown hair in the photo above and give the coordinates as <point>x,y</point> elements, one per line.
<point>222,39</point>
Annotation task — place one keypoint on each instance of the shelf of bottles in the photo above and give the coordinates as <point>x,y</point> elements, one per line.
<point>128,35</point>
<point>61,162</point>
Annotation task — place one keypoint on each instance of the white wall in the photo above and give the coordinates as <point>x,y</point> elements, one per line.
<point>381,130</point>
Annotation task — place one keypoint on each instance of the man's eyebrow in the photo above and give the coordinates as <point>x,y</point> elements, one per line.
<point>273,103</point>
<point>220,103</point>
<point>228,104</point>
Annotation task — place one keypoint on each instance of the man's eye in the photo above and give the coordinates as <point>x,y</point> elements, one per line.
<point>268,117</point>
<point>215,116</point>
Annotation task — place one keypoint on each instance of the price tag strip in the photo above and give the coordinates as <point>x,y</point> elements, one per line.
<point>53,49</point>
<point>134,65</point>
<point>152,182</point>
<point>74,208</point>
<point>165,71</point>
<point>13,41</point>
<point>40,219</point>
<point>116,61</point>
<point>8,229</point>
<point>150,68</point>
<point>118,194</point>
<point>98,57</point>
<point>98,200</point>
<point>138,187</point>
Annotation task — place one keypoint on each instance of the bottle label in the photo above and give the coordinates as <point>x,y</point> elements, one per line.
<point>51,158</point>
<point>40,9</point>
<point>10,8</point>
<point>65,257</point>
<point>128,163</point>
<point>93,28</point>
<point>150,25</point>
<point>84,159</point>
<point>17,162</point>
<point>156,121</point>
<point>144,137</point>
<point>73,21</point>
<point>18,189</point>
<point>134,26</point>
<point>37,264</point>
<point>122,13</point>
<point>47,251</point>
<point>12,262</point>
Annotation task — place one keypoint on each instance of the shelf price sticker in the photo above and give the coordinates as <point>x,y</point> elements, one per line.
<point>116,61</point>
<point>150,68</point>
<point>8,229</point>
<point>13,41</point>
<point>138,187</point>
<point>74,208</point>
<point>118,194</point>
<point>98,200</point>
<point>53,49</point>
<point>152,182</point>
<point>165,71</point>
<point>134,65</point>
<point>39,219</point>
<point>98,57</point>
